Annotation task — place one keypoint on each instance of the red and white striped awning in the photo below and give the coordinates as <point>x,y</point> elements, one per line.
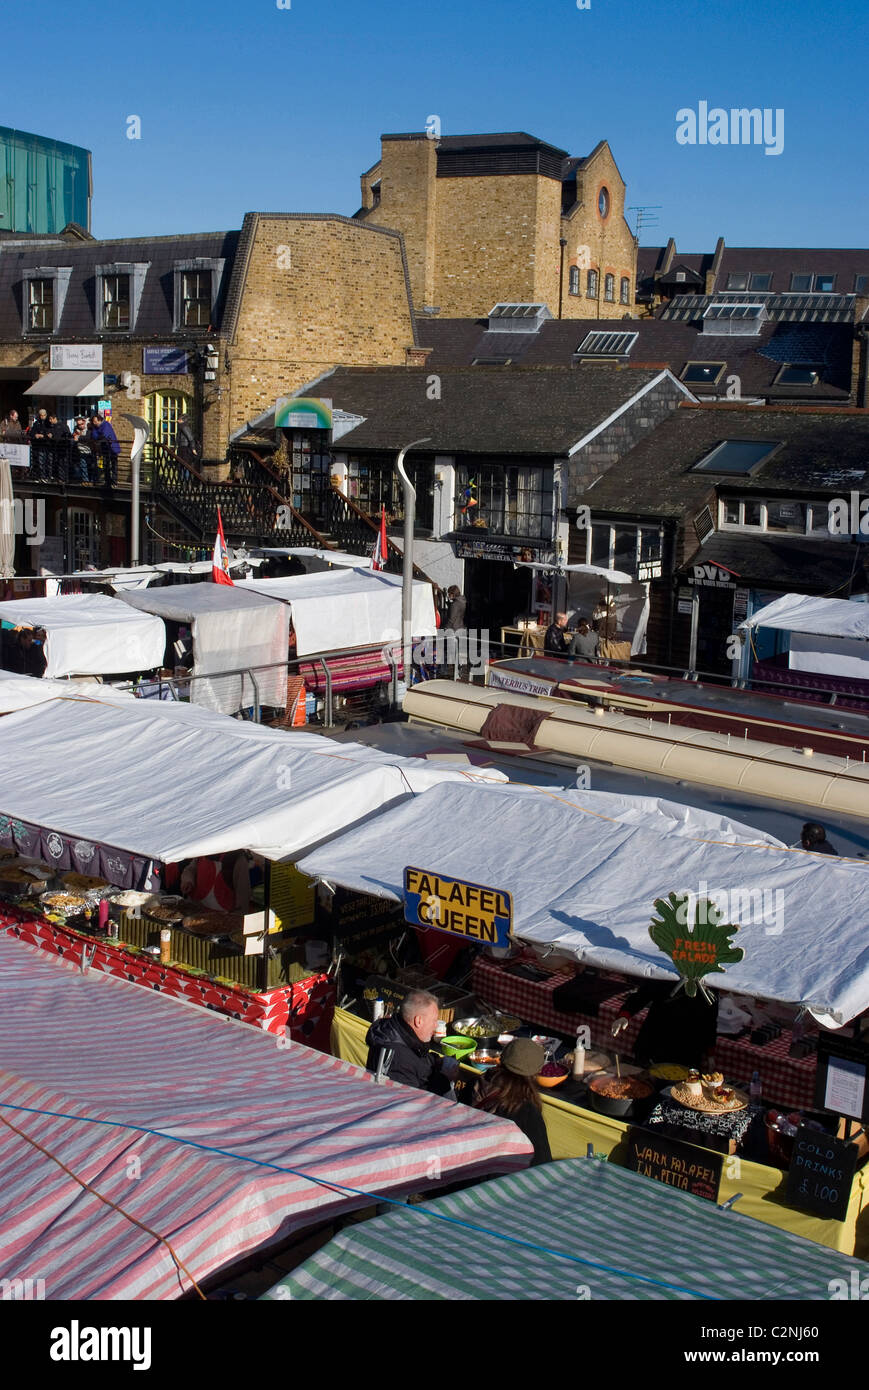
<point>145,1089</point>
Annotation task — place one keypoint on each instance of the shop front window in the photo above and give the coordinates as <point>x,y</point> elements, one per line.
<point>505,499</point>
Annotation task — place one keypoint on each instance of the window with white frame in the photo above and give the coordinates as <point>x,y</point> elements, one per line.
<point>41,306</point>
<point>591,284</point>
<point>625,290</point>
<point>43,296</point>
<point>197,286</point>
<point>573,280</point>
<point>609,288</point>
<point>774,515</point>
<point>623,546</point>
<point>119,294</point>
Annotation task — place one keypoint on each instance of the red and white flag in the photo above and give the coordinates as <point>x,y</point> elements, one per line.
<point>220,558</point>
<point>378,559</point>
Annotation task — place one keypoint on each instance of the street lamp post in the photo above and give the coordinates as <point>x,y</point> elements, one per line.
<point>409,492</point>
<point>141,431</point>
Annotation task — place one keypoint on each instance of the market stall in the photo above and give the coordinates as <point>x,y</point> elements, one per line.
<point>90,634</point>
<point>147,787</point>
<point>585,874</point>
<point>232,629</point>
<point>347,608</point>
<point>800,641</point>
<point>575,1230</point>
<point>22,692</point>
<point>220,1170</point>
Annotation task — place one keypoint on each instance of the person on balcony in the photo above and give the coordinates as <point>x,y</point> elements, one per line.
<point>84,463</point>
<point>39,434</point>
<point>102,434</point>
<point>12,430</point>
<point>186,450</point>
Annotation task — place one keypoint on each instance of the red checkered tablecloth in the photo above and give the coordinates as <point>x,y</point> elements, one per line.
<point>304,1010</point>
<point>787,1081</point>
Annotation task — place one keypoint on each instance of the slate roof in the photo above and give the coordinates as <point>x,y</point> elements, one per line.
<point>486,411</point>
<point>786,308</point>
<point>782,261</point>
<point>155,316</point>
<point>757,361</point>
<point>788,563</point>
<point>822,453</point>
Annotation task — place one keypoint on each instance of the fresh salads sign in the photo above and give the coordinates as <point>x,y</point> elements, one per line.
<point>458,907</point>
<point>696,948</point>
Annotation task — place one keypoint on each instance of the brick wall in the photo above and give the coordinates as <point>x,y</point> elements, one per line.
<point>318,292</point>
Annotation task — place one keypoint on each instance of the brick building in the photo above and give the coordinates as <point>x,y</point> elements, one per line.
<point>484,217</point>
<point>215,326</point>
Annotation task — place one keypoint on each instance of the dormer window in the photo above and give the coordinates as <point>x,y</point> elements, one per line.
<point>43,296</point>
<point>197,285</point>
<point>119,294</point>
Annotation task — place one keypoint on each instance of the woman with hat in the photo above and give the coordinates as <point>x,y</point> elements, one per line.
<point>509,1092</point>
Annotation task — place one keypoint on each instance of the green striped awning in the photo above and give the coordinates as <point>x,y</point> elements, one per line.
<point>581,1228</point>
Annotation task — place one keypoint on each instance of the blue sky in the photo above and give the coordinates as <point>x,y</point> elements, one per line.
<point>251,107</point>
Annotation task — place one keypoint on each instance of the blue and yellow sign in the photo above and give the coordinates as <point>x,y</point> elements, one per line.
<point>455,906</point>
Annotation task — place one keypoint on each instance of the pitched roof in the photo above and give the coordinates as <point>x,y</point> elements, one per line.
<point>480,410</point>
<point>786,308</point>
<point>820,454</point>
<point>757,361</point>
<point>783,562</point>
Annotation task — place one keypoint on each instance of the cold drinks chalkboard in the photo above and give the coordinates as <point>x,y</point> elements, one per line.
<point>679,1165</point>
<point>820,1175</point>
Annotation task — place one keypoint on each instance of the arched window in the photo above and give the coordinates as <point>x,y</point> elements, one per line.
<point>626,290</point>
<point>609,288</point>
<point>591,284</point>
<point>574,279</point>
<point>163,409</point>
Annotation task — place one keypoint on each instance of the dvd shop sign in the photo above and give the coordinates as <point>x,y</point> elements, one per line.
<point>713,577</point>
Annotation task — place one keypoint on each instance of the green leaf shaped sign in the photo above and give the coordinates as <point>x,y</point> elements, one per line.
<point>702,947</point>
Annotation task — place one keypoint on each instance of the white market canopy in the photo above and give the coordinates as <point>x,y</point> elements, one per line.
<point>348,608</point>
<point>90,634</point>
<point>584,871</point>
<point>596,571</point>
<point>828,636</point>
<point>232,629</point>
<point>22,692</point>
<point>169,782</point>
<point>308,552</point>
<point>826,617</point>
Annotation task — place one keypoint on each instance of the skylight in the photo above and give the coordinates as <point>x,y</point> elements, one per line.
<point>736,456</point>
<point>733,318</point>
<point>607,344</point>
<point>517,318</point>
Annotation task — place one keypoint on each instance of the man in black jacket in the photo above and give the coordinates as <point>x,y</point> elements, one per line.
<point>406,1035</point>
<point>555,642</point>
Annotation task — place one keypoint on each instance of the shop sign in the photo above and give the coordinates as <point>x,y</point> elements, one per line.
<point>821,1173</point>
<point>685,605</point>
<point>674,1163</point>
<point>842,1076</point>
<point>76,357</point>
<point>16,455</point>
<point>713,577</point>
<point>698,943</point>
<point>456,906</point>
<point>165,361</point>
<point>468,548</point>
<point>303,413</point>
<point>649,569</point>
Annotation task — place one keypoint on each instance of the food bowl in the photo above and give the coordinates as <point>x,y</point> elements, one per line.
<point>629,1092</point>
<point>457,1046</point>
<point>549,1078</point>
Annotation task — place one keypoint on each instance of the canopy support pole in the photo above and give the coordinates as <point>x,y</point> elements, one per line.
<point>267,923</point>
